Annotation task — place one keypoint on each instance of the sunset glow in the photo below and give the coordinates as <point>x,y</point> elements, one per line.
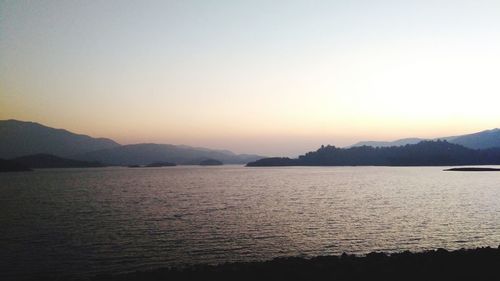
<point>275,78</point>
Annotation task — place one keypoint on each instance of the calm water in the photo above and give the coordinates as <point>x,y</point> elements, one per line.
<point>90,221</point>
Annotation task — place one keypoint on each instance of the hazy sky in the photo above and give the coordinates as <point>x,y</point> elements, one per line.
<point>268,77</point>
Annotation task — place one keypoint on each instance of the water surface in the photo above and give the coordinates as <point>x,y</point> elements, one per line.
<point>113,220</point>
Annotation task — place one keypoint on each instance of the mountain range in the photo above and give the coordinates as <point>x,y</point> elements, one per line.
<point>20,138</point>
<point>481,140</point>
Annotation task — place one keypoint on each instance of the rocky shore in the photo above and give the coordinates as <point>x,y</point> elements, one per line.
<point>440,264</point>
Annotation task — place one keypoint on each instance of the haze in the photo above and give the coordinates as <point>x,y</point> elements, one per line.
<point>267,77</point>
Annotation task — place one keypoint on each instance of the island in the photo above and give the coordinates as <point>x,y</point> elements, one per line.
<point>211,162</point>
<point>43,160</point>
<point>424,153</point>
<point>161,164</point>
<point>473,169</point>
<point>12,166</point>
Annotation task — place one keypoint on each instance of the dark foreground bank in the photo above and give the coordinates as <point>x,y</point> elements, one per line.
<point>475,264</point>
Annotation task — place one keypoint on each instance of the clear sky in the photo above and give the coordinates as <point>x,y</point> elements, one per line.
<point>268,77</point>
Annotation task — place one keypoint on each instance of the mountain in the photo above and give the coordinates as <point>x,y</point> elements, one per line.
<point>389,143</point>
<point>51,161</point>
<point>19,138</point>
<point>12,166</point>
<point>481,140</point>
<point>145,153</point>
<point>425,153</point>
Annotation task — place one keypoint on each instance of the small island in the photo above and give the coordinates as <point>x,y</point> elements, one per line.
<point>211,162</point>
<point>44,160</point>
<point>12,166</point>
<point>160,164</point>
<point>472,169</point>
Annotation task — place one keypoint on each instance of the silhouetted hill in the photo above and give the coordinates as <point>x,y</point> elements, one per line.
<point>481,140</point>
<point>425,153</point>
<point>211,162</point>
<point>145,153</point>
<point>51,161</point>
<point>19,138</point>
<point>12,166</point>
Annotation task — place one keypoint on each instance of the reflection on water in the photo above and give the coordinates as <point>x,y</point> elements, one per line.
<point>91,221</point>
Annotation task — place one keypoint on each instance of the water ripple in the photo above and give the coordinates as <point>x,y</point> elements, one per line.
<point>111,220</point>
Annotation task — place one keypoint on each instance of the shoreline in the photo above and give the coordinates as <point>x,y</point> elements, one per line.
<point>471,264</point>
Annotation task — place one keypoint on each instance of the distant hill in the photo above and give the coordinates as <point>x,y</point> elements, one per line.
<point>19,138</point>
<point>12,166</point>
<point>52,161</point>
<point>389,143</point>
<point>481,140</point>
<point>425,153</point>
<point>145,153</point>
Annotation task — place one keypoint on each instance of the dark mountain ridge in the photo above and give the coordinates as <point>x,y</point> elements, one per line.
<point>19,138</point>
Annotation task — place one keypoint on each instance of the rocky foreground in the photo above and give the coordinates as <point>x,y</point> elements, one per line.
<point>473,264</point>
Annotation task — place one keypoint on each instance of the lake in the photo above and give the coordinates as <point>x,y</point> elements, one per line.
<point>58,222</point>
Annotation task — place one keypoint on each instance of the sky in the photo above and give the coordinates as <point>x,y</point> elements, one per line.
<point>266,77</point>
